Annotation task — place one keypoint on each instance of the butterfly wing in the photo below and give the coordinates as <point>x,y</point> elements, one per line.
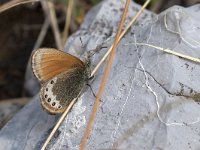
<point>57,93</point>
<point>49,62</point>
<point>62,77</point>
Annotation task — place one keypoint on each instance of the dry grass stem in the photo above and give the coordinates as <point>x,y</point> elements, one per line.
<point>67,20</point>
<point>122,34</point>
<point>51,14</point>
<point>62,117</point>
<point>171,52</point>
<point>96,104</point>
<point>14,3</point>
<point>42,34</point>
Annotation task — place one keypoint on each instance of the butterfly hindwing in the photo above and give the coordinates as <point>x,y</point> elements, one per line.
<point>49,62</point>
<point>57,93</point>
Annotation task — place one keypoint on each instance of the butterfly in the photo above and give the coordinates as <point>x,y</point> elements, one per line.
<point>62,77</point>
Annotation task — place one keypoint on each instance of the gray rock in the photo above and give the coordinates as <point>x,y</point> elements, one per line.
<point>140,80</point>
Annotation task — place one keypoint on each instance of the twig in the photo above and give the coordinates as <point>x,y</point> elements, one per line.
<point>14,3</point>
<point>62,117</point>
<point>42,34</point>
<point>94,110</point>
<point>122,34</point>
<point>171,52</point>
<point>67,20</point>
<point>50,13</point>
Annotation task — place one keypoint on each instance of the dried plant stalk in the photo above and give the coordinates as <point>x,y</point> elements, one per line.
<point>67,20</point>
<point>62,117</point>
<point>50,13</point>
<point>103,82</point>
<point>42,34</point>
<point>122,34</point>
<point>169,51</point>
<point>14,3</point>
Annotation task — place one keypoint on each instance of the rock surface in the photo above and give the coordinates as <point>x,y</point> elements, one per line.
<point>151,98</point>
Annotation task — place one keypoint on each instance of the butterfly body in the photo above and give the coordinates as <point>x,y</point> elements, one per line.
<point>62,78</point>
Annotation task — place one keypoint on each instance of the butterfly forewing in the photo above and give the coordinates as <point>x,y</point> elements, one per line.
<point>49,62</point>
<point>58,92</point>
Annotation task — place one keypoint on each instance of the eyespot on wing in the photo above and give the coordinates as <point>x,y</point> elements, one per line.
<point>57,93</point>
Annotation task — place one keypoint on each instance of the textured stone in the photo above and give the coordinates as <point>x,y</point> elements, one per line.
<point>140,78</point>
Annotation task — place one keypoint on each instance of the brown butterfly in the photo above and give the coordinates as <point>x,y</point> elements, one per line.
<point>62,77</point>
